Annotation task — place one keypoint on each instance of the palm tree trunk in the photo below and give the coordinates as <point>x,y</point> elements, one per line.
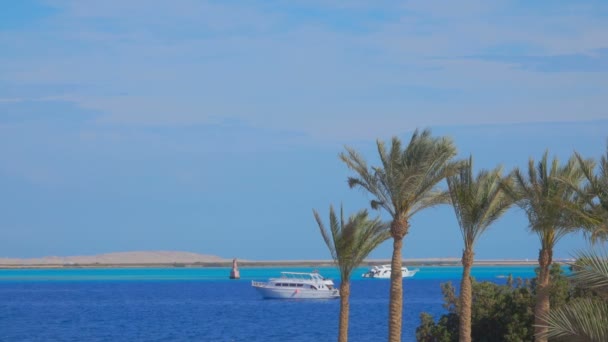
<point>542,294</point>
<point>344,310</point>
<point>466,296</point>
<point>399,228</point>
<point>395,308</point>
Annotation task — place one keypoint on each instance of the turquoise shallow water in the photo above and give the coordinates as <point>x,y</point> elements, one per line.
<point>212,274</point>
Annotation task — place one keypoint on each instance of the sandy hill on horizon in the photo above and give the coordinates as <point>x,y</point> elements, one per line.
<point>137,257</point>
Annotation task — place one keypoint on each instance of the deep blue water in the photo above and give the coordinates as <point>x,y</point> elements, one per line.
<point>199,304</point>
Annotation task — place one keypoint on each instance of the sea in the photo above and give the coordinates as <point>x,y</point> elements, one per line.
<point>202,304</point>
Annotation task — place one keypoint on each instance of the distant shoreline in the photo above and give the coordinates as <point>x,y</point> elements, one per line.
<point>278,263</point>
<point>167,259</point>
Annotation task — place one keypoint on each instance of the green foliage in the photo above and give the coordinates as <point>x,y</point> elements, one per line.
<point>499,312</point>
<point>428,331</point>
<point>561,289</point>
<point>595,192</point>
<point>349,242</point>
<point>585,318</point>
<point>478,200</point>
<point>548,194</point>
<point>406,181</point>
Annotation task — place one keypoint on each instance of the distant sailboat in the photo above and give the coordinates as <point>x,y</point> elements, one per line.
<point>234,273</point>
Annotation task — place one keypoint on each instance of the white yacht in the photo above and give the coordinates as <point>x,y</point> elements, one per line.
<point>384,272</point>
<point>294,285</point>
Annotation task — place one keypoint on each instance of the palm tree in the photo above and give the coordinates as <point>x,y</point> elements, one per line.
<point>548,196</point>
<point>349,243</point>
<point>596,193</point>
<point>478,202</point>
<point>584,319</point>
<point>403,185</point>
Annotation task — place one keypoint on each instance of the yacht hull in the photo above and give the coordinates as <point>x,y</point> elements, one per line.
<point>296,293</point>
<point>388,276</point>
<point>384,272</point>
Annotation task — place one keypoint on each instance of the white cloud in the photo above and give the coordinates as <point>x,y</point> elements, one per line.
<point>194,62</point>
<point>33,99</point>
<point>8,100</point>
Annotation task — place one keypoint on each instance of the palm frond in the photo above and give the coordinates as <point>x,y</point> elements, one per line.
<point>367,178</point>
<point>585,319</point>
<point>477,201</point>
<point>327,238</point>
<point>406,180</point>
<point>350,241</point>
<point>591,271</point>
<point>594,195</point>
<point>549,197</point>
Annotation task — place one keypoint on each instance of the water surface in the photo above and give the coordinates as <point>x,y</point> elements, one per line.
<point>201,304</point>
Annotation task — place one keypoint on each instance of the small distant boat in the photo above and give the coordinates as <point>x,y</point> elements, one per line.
<point>234,273</point>
<point>384,272</point>
<point>294,285</point>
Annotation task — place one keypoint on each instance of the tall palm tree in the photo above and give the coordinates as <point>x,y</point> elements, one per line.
<point>349,243</point>
<point>584,319</point>
<point>404,184</point>
<point>596,193</point>
<point>478,202</point>
<point>548,196</point>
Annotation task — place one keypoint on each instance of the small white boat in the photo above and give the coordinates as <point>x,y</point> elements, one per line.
<point>294,285</point>
<point>384,272</point>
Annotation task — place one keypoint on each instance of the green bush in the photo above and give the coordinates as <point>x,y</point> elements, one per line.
<point>500,312</point>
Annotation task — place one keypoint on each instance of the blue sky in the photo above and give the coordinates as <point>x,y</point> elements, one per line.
<point>215,127</point>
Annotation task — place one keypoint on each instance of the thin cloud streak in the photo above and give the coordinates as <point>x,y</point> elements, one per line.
<point>281,69</point>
